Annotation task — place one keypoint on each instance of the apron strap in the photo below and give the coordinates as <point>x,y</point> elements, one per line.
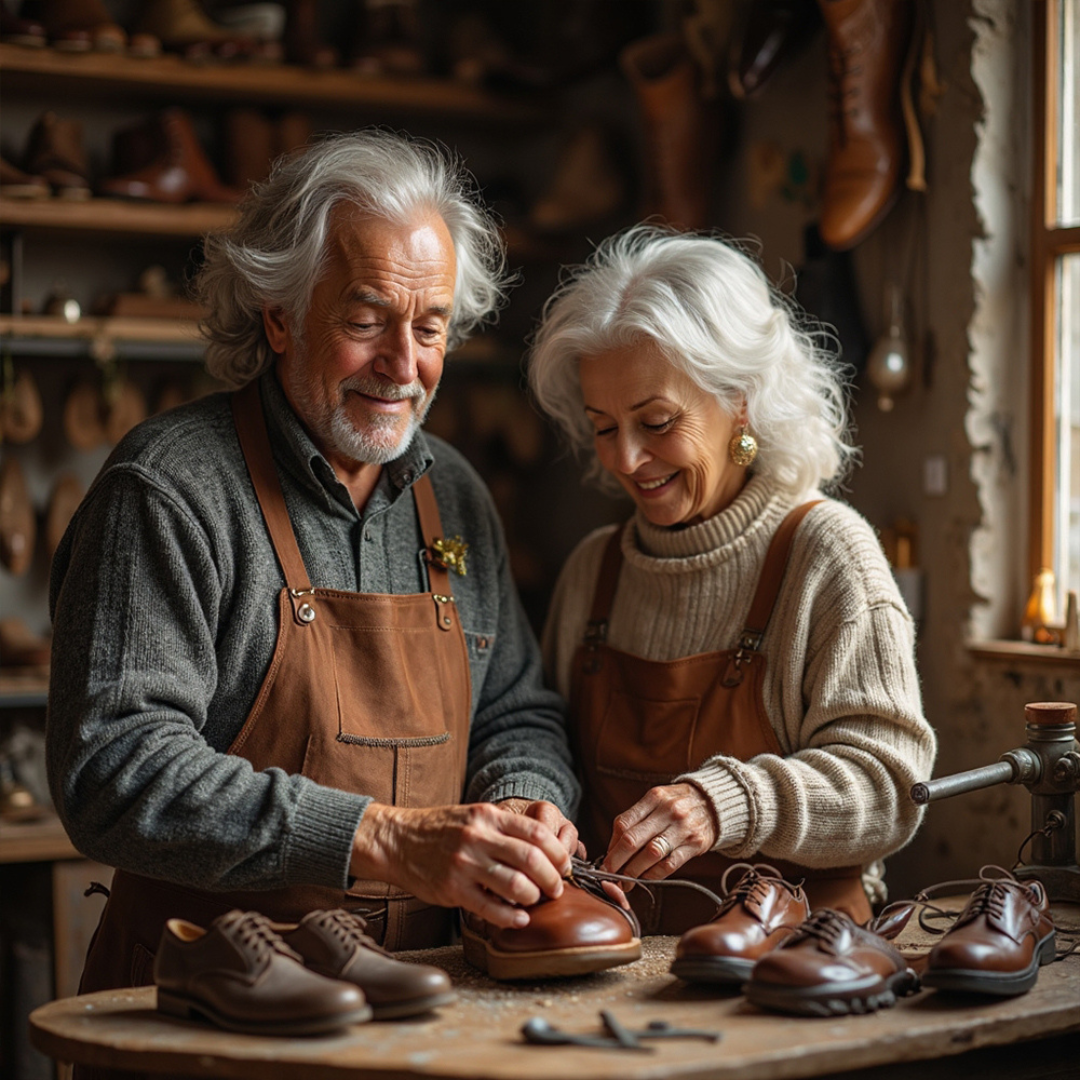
<point>427,511</point>
<point>772,575</point>
<point>255,442</point>
<point>607,582</point>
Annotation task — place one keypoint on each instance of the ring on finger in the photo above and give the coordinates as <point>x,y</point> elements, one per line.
<point>663,845</point>
<point>493,869</point>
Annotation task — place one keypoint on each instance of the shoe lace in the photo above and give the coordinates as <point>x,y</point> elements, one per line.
<point>254,934</point>
<point>843,88</point>
<point>824,924</point>
<point>754,884</point>
<point>349,929</point>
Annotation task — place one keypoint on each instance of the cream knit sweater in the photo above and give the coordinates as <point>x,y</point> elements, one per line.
<point>840,688</point>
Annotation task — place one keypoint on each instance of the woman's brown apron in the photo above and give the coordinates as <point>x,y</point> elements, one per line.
<point>640,723</point>
<point>366,692</point>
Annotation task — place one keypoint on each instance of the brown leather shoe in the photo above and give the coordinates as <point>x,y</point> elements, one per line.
<point>999,941</point>
<point>240,975</point>
<point>868,45</point>
<point>179,172</point>
<point>55,151</point>
<point>758,914</point>
<point>831,967</point>
<point>333,943</point>
<point>580,932</point>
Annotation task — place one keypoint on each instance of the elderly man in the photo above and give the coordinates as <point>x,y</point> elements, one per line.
<point>287,644</point>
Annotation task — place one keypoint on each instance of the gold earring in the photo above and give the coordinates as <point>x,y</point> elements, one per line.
<point>743,447</point>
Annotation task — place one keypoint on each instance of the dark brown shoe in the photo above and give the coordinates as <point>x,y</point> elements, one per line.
<point>830,967</point>
<point>240,975</point>
<point>999,941</point>
<point>334,944</point>
<point>868,46</point>
<point>580,932</point>
<point>758,914</point>
<point>179,171</point>
<point>55,152</point>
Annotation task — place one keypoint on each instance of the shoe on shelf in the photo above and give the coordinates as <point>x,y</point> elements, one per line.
<point>178,170</point>
<point>16,184</point>
<point>241,976</point>
<point>80,26</point>
<point>182,26</point>
<point>758,914</point>
<point>335,944</point>
<point>999,941</point>
<point>582,931</point>
<point>55,152</point>
<point>831,966</point>
<point>19,30</point>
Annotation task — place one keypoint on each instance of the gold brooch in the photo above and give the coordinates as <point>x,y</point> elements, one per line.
<point>450,554</point>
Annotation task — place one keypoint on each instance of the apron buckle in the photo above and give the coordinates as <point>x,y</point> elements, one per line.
<point>442,614</point>
<point>305,612</point>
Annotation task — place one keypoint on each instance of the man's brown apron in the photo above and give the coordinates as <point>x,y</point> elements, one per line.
<point>640,723</point>
<point>366,692</point>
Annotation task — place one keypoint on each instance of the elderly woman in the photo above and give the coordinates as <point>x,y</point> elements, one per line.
<point>737,656</point>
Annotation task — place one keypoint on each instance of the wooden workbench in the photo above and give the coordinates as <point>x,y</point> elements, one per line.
<point>478,1037</point>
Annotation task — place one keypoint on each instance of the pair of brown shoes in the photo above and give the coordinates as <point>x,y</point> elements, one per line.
<point>584,930</point>
<point>824,964</point>
<point>248,974</point>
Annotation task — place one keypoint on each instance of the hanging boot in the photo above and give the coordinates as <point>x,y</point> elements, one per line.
<point>681,130</point>
<point>869,42</point>
<point>18,524</point>
<point>180,172</point>
<point>21,411</point>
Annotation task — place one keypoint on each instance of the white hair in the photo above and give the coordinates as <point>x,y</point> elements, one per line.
<point>710,310</point>
<point>274,255</point>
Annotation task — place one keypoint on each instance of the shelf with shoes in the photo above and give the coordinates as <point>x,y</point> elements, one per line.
<point>112,216</point>
<point>171,78</point>
<point>121,338</point>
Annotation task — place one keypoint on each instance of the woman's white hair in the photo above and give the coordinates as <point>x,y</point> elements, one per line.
<point>710,310</point>
<point>274,255</point>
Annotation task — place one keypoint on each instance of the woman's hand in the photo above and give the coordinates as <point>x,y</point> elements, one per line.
<point>550,815</point>
<point>665,829</point>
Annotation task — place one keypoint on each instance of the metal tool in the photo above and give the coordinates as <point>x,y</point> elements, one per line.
<point>538,1031</point>
<point>1049,767</point>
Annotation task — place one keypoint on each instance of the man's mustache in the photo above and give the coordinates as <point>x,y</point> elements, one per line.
<point>389,391</point>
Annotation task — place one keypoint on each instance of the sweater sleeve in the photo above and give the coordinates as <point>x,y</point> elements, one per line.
<point>846,705</point>
<point>136,598</point>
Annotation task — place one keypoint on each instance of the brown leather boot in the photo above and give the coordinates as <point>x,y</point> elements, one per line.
<point>18,525</point>
<point>16,184</point>
<point>180,171</point>
<point>681,130</point>
<point>80,25</point>
<point>55,151</point>
<point>869,42</point>
<point>183,27</point>
<point>303,42</point>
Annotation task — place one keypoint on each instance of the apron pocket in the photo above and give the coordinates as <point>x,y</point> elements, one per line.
<point>643,739</point>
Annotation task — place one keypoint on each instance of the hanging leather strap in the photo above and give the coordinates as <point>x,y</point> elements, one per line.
<point>255,442</point>
<point>427,510</point>
<point>761,607</point>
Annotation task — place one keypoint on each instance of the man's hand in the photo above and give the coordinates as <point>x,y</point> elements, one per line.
<point>551,816</point>
<point>662,831</point>
<point>479,857</point>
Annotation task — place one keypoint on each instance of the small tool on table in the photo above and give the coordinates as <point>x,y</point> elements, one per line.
<point>538,1031</point>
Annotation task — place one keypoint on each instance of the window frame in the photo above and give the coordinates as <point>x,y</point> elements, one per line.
<point>1049,242</point>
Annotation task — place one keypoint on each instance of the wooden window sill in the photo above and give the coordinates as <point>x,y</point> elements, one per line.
<point>1023,651</point>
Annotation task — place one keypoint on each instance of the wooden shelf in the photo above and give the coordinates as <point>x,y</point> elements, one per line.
<point>1023,651</point>
<point>99,338</point>
<point>168,78</point>
<point>23,687</point>
<point>34,841</point>
<point>113,216</point>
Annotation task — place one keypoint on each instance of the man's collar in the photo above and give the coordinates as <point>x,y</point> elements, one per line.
<point>308,462</point>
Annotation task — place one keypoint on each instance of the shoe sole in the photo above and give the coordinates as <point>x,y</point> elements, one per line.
<point>996,983</point>
<point>172,1004</point>
<point>546,963</point>
<point>725,970</point>
<point>836,999</point>
<point>396,1010</point>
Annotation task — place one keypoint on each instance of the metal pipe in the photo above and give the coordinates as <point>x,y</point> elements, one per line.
<point>1002,772</point>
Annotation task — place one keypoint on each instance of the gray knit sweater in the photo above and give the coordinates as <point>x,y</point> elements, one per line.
<point>841,690</point>
<point>164,601</point>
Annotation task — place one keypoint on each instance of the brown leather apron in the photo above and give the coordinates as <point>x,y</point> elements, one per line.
<point>640,723</point>
<point>366,692</point>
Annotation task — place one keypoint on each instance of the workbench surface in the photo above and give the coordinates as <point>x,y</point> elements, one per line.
<point>478,1037</point>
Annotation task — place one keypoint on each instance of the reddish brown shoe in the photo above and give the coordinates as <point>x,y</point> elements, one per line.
<point>580,932</point>
<point>998,942</point>
<point>831,967</point>
<point>240,975</point>
<point>758,914</point>
<point>334,944</point>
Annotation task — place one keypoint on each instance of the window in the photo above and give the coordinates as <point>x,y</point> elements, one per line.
<point>1055,477</point>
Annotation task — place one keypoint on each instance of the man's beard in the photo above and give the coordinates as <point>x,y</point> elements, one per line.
<point>378,441</point>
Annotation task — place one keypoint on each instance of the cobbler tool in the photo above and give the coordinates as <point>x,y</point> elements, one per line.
<point>538,1031</point>
<point>1049,767</point>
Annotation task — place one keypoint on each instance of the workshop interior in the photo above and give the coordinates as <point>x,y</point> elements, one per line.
<point>905,174</point>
